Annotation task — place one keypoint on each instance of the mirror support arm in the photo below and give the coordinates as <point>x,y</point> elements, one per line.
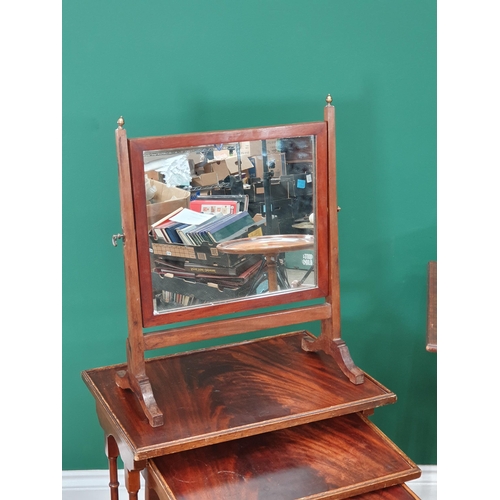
<point>134,378</point>
<point>330,340</point>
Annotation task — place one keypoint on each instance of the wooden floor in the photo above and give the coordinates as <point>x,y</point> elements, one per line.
<point>218,394</point>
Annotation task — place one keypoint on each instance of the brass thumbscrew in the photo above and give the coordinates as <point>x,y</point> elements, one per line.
<point>117,237</point>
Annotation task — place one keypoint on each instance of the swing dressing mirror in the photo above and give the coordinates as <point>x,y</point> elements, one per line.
<point>196,196</point>
<point>289,204</point>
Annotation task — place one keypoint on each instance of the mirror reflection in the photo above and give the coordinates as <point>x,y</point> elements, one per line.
<point>227,221</point>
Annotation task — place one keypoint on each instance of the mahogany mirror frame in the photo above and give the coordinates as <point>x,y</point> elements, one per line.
<point>137,148</point>
<point>138,274</point>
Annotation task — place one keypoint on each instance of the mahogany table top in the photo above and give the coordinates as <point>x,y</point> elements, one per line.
<point>227,392</point>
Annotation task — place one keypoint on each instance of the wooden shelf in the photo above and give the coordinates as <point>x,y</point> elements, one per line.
<point>335,458</point>
<point>223,393</point>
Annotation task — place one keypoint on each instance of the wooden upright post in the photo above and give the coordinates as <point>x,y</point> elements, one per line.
<point>135,377</point>
<point>330,339</point>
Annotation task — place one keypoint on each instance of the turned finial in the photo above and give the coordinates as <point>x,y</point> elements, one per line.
<point>120,122</point>
<point>329,100</point>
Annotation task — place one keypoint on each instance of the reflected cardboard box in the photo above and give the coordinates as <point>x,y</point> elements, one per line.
<point>155,175</point>
<point>254,148</point>
<point>195,157</point>
<point>205,180</point>
<point>217,166</point>
<point>234,166</point>
<point>277,191</point>
<point>221,154</point>
<point>166,199</point>
<point>229,166</point>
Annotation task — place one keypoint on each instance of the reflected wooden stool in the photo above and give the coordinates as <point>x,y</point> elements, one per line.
<point>270,247</point>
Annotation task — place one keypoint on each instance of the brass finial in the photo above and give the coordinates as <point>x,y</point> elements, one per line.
<point>120,122</point>
<point>329,100</point>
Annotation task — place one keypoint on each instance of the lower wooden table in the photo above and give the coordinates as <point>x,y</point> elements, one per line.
<point>398,492</point>
<point>336,458</point>
<point>227,393</point>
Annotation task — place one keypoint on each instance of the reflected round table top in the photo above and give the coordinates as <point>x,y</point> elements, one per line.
<point>268,245</point>
<point>303,225</point>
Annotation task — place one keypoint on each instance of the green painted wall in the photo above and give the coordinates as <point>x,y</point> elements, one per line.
<point>172,67</point>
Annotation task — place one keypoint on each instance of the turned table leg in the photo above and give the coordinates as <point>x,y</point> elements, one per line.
<point>132,483</point>
<point>112,454</point>
<point>149,486</point>
<point>272,273</point>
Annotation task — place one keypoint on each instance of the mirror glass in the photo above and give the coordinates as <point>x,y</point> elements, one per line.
<point>228,221</point>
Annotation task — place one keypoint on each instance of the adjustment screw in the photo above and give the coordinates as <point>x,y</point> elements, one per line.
<point>117,237</point>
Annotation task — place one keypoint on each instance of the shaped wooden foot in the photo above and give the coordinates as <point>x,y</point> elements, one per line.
<point>338,349</point>
<point>141,387</point>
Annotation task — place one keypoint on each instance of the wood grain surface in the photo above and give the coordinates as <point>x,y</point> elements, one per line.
<point>223,393</point>
<point>334,458</point>
<point>398,492</point>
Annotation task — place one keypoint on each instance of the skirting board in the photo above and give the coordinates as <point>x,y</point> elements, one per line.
<point>93,484</point>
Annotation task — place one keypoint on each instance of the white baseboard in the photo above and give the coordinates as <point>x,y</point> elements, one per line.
<point>426,485</point>
<point>93,484</point>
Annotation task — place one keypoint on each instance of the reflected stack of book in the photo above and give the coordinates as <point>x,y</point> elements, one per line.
<point>191,228</point>
<point>187,268</point>
<point>182,287</point>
